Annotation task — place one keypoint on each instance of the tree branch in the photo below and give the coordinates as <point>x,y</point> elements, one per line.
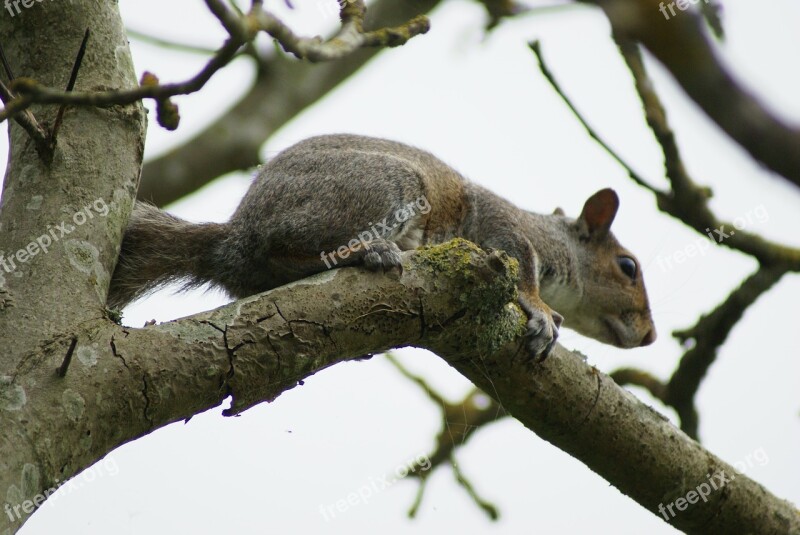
<point>704,78</point>
<point>63,219</point>
<point>704,340</point>
<point>460,421</point>
<point>686,201</point>
<point>242,29</point>
<point>454,299</point>
<point>233,141</point>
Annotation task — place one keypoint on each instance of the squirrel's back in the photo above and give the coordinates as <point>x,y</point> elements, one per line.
<point>339,200</point>
<point>320,193</point>
<point>311,198</point>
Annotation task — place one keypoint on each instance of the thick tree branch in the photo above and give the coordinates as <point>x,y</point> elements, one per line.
<point>453,299</point>
<point>62,220</point>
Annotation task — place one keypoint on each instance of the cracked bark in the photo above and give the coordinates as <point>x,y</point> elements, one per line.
<point>250,350</point>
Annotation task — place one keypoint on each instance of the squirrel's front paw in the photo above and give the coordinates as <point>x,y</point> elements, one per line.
<point>542,331</point>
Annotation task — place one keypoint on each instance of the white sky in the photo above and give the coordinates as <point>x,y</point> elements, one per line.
<point>480,104</point>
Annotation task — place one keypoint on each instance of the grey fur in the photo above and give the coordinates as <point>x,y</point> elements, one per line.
<point>318,195</point>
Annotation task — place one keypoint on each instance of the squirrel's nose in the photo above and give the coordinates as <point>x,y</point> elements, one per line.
<point>649,338</point>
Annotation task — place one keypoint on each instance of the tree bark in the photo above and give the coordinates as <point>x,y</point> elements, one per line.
<point>59,250</point>
<point>454,300</point>
<point>61,225</point>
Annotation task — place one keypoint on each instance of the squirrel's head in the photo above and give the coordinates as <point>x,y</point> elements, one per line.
<point>611,305</point>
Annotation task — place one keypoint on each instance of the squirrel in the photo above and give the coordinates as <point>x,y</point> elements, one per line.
<point>342,200</point>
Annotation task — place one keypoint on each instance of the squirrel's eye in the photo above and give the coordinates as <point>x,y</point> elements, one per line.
<point>628,266</point>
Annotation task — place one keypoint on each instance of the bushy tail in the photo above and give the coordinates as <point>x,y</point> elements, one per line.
<point>158,249</point>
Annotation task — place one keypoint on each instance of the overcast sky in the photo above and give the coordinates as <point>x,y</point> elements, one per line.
<point>479,103</point>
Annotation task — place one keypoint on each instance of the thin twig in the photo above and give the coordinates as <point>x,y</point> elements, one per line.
<point>242,30</point>
<point>165,43</point>
<point>28,122</point>
<point>6,65</point>
<point>62,370</point>
<point>232,23</point>
<point>708,335</point>
<point>459,422</point>
<point>711,13</point>
<point>25,119</point>
<point>32,92</point>
<point>636,177</point>
<point>489,508</point>
<point>350,37</point>
<point>643,379</point>
<point>70,86</point>
<point>705,78</point>
<point>688,201</point>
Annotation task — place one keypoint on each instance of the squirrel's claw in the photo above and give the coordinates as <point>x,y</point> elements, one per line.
<point>542,331</point>
<point>383,255</point>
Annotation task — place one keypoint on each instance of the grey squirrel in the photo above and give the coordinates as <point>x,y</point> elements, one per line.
<point>311,207</point>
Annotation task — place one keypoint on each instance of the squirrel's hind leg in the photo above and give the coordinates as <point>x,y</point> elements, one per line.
<point>375,255</point>
<point>382,254</point>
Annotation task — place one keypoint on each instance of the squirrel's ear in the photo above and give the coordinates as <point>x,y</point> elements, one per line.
<point>558,211</point>
<point>598,212</point>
